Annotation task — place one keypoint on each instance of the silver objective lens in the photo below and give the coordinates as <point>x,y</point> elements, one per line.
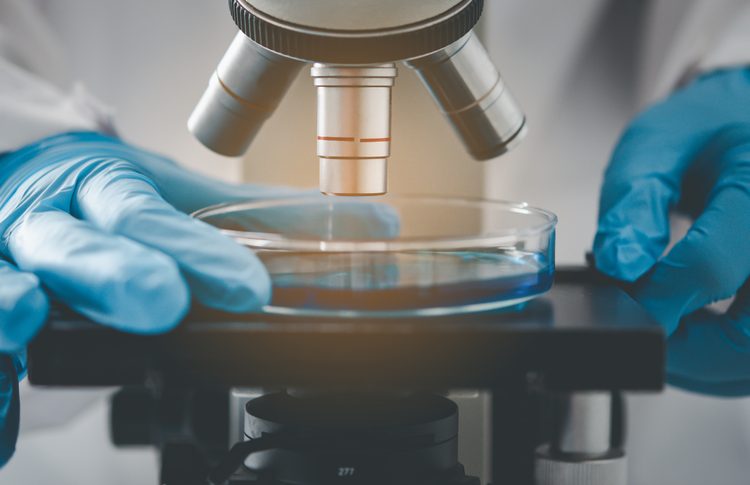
<point>354,127</point>
<point>470,92</point>
<point>243,92</point>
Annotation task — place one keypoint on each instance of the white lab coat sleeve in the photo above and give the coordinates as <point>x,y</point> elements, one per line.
<point>732,47</point>
<point>35,100</point>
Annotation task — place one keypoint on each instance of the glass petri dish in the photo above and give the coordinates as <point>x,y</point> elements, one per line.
<point>393,256</point>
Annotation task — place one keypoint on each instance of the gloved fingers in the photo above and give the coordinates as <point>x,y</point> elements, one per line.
<point>23,307</point>
<point>317,217</point>
<point>641,185</point>
<point>633,231</point>
<point>644,178</point>
<point>710,353</point>
<point>220,273</point>
<point>648,167</point>
<point>9,408</point>
<point>110,279</point>
<point>712,261</point>
<point>189,191</point>
<point>352,219</point>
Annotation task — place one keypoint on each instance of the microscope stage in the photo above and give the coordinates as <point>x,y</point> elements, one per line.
<point>584,334</point>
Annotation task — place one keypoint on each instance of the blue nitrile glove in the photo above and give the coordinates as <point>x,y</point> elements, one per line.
<point>104,227</point>
<point>689,153</point>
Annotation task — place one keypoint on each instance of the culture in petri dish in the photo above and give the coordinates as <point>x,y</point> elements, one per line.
<point>406,281</point>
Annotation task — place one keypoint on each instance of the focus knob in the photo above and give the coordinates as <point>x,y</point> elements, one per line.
<point>610,469</point>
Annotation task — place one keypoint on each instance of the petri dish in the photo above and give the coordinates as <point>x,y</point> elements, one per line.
<point>394,256</point>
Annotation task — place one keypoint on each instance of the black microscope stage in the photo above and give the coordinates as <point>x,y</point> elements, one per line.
<point>584,334</point>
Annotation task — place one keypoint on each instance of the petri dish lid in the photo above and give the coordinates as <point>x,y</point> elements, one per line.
<point>319,223</point>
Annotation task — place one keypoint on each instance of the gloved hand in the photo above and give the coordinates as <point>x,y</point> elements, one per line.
<point>103,227</point>
<point>689,153</point>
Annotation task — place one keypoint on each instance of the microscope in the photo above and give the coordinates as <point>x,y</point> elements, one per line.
<point>353,47</point>
<point>509,398</point>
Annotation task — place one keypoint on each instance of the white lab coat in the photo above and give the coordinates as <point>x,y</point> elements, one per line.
<point>580,68</point>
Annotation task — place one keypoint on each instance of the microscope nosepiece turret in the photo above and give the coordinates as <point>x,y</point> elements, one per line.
<point>353,47</point>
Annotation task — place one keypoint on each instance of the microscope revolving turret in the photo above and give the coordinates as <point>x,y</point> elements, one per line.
<point>353,47</point>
